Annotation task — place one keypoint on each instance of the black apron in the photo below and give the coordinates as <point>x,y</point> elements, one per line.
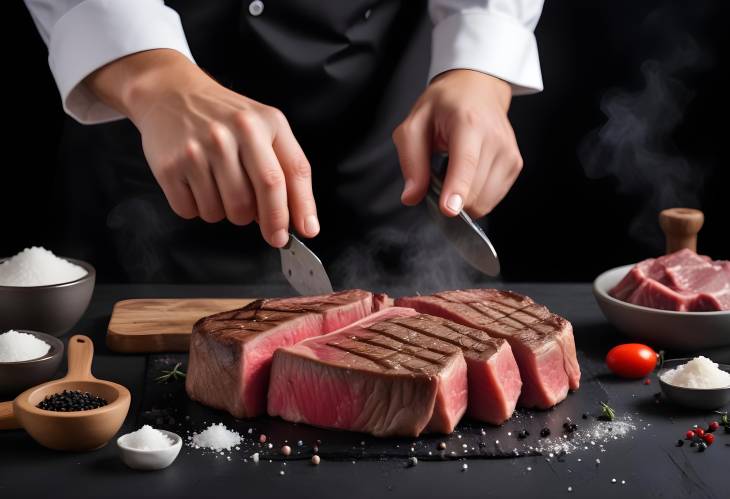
<point>345,73</point>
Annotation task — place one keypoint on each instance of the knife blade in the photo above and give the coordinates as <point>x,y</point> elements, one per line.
<point>303,269</point>
<point>467,237</point>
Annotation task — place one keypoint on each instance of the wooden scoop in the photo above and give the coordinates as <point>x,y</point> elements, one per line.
<point>680,226</point>
<point>77,430</point>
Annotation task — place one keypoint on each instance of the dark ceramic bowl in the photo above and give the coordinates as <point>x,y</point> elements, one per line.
<point>695,398</point>
<point>54,308</point>
<point>16,377</point>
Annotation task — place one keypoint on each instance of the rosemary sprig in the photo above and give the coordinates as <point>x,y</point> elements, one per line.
<point>607,413</point>
<point>172,374</point>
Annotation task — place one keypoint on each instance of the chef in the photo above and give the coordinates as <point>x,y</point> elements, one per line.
<point>296,115</point>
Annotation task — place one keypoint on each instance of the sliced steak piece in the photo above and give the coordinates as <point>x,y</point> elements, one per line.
<point>374,376</point>
<point>230,352</point>
<point>541,341</point>
<point>492,372</point>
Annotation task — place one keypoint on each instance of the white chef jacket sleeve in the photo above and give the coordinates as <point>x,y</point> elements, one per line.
<point>491,36</point>
<point>84,35</point>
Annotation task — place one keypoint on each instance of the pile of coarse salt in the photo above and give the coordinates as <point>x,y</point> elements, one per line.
<point>147,438</point>
<point>595,436</point>
<point>216,437</point>
<point>19,347</point>
<point>699,372</point>
<point>38,267</point>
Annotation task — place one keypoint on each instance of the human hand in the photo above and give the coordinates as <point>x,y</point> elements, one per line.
<point>463,113</point>
<point>216,154</point>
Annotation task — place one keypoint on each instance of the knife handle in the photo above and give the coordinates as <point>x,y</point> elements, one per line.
<point>680,226</point>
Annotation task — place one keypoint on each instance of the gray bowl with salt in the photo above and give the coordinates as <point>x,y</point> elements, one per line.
<point>53,308</point>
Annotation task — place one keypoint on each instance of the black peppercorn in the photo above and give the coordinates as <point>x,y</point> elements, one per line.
<point>680,443</point>
<point>523,434</point>
<point>545,432</point>
<point>71,401</point>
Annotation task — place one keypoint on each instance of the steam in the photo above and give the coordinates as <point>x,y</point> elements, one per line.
<point>635,147</point>
<point>419,259</point>
<point>140,233</point>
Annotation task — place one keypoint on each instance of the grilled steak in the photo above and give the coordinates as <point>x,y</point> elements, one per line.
<point>230,352</point>
<point>542,342</point>
<point>375,376</point>
<point>683,281</point>
<point>493,377</point>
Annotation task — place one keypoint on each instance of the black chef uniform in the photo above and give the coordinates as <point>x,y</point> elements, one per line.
<point>344,73</point>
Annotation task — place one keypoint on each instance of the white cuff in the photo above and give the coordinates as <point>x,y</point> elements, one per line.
<point>489,42</point>
<point>97,32</point>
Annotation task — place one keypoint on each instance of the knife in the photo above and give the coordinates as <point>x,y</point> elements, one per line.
<point>467,237</point>
<point>303,269</point>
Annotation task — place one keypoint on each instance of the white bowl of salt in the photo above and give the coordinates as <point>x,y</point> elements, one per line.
<point>149,448</point>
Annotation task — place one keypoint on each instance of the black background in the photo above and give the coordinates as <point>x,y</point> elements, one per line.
<point>557,223</point>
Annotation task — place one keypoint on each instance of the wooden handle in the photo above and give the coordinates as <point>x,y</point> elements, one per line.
<point>7,417</point>
<point>680,226</point>
<point>80,355</point>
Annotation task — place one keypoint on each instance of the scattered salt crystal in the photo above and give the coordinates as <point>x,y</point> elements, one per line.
<point>19,347</point>
<point>570,489</point>
<point>270,445</point>
<point>217,437</point>
<point>699,372</point>
<point>255,457</point>
<point>147,438</point>
<point>529,468</point>
<point>38,267</point>
<point>464,467</point>
<point>613,480</point>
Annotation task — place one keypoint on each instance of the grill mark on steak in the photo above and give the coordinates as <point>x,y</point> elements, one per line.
<point>262,315</point>
<point>384,357</point>
<point>546,323</point>
<point>433,327</point>
<point>415,350</point>
<point>393,332</point>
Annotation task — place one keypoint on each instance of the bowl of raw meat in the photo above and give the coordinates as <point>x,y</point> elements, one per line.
<point>679,301</point>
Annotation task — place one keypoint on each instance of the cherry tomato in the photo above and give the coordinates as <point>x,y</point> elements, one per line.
<point>708,438</point>
<point>631,360</point>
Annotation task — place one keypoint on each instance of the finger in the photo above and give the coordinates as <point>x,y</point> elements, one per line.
<point>181,199</point>
<point>202,185</point>
<point>412,140</point>
<point>464,147</point>
<point>486,161</point>
<point>177,192</point>
<point>298,173</point>
<point>267,177</point>
<point>231,180</point>
<point>503,174</point>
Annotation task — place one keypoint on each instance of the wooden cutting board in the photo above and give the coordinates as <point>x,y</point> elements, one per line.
<point>161,324</point>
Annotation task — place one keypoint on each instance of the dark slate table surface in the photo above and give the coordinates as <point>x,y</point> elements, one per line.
<point>647,459</point>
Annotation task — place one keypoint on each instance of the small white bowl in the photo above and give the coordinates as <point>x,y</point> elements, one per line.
<point>150,459</point>
<point>686,331</point>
